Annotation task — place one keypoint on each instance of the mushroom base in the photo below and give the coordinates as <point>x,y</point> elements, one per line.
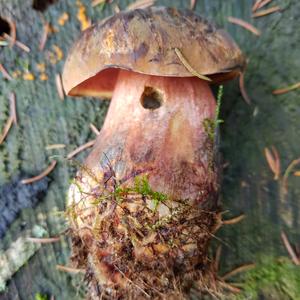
<point>131,253</point>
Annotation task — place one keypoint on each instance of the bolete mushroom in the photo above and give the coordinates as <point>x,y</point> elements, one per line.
<point>144,204</point>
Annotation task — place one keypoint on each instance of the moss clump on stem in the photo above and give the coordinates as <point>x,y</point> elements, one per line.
<point>138,244</point>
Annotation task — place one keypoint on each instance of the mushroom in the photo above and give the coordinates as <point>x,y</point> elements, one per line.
<point>155,136</point>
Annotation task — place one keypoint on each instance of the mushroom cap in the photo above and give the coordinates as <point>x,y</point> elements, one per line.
<point>144,41</point>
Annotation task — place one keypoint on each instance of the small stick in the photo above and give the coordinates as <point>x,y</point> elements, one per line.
<point>287,89</point>
<point>55,146</point>
<point>242,88</point>
<point>237,270</point>
<point>81,148</point>
<point>6,129</point>
<point>234,220</point>
<point>5,73</point>
<point>193,4</point>
<point>140,4</point>
<point>266,12</point>
<point>17,43</point>
<point>13,110</point>
<point>69,270</point>
<point>94,129</point>
<point>245,25</point>
<point>42,175</point>
<point>189,67</point>
<point>43,240</point>
<point>59,87</point>
<point>289,249</point>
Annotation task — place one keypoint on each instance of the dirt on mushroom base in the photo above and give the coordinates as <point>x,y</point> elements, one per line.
<point>129,252</point>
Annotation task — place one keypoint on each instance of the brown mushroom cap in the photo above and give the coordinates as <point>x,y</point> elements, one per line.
<point>144,41</point>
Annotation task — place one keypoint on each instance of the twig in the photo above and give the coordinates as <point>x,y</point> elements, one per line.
<point>55,146</point>
<point>13,110</point>
<point>287,89</point>
<point>273,161</point>
<point>237,270</point>
<point>266,12</point>
<point>6,129</point>
<point>234,220</point>
<point>5,73</point>
<point>43,240</point>
<point>42,175</point>
<point>59,87</point>
<point>189,67</point>
<point>242,88</point>
<point>245,25</point>
<point>140,4</point>
<point>81,148</point>
<point>17,43</point>
<point>94,129</point>
<point>290,249</point>
<point>69,269</point>
<point>193,4</point>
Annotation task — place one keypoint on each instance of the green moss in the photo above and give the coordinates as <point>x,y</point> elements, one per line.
<point>272,278</point>
<point>210,125</point>
<point>39,296</point>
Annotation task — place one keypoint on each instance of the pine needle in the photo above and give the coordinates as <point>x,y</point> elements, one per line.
<point>81,148</point>
<point>290,249</point>
<point>273,160</point>
<point>234,220</point>
<point>245,25</point>
<point>266,12</point>
<point>42,175</point>
<point>5,73</point>
<point>189,67</point>
<point>287,89</point>
<point>140,4</point>
<point>13,109</point>
<point>237,270</point>
<point>69,269</point>
<point>243,89</point>
<point>43,240</point>
<point>59,87</point>
<point>6,129</point>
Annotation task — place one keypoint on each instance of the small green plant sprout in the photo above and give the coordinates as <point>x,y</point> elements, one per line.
<point>210,125</point>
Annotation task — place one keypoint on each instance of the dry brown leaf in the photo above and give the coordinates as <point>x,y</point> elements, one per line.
<point>245,25</point>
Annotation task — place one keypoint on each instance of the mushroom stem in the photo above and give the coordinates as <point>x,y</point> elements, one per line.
<point>155,127</point>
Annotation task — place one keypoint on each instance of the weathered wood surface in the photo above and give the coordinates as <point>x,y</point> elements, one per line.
<point>248,185</point>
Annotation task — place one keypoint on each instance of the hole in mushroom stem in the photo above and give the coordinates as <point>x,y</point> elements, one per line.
<point>151,98</point>
<point>4,27</point>
<point>42,5</point>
